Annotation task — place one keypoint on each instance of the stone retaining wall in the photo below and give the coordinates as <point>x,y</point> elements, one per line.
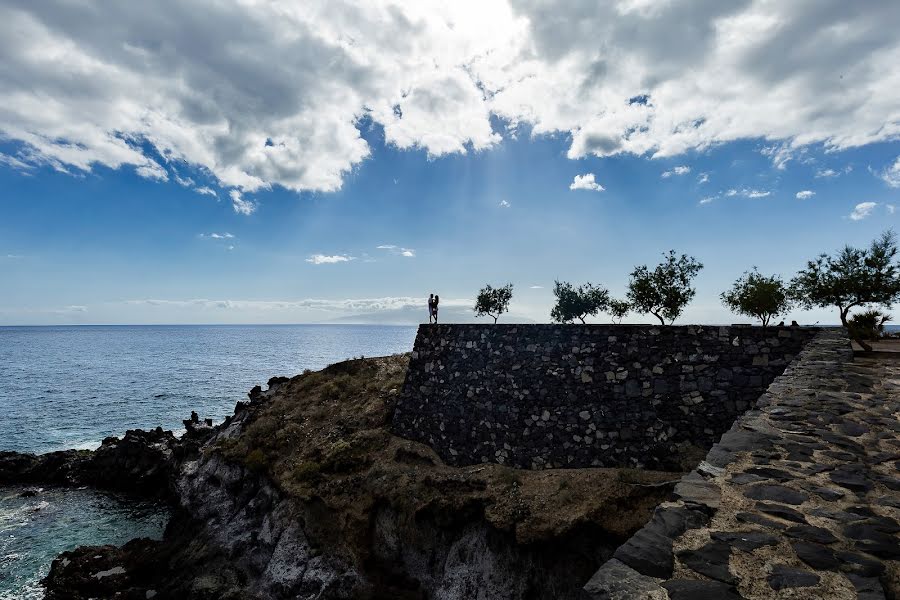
<point>799,499</point>
<point>542,396</point>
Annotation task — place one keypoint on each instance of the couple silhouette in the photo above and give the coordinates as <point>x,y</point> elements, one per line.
<point>433,301</point>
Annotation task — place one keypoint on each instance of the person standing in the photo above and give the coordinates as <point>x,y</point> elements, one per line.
<point>437,300</point>
<point>430,307</point>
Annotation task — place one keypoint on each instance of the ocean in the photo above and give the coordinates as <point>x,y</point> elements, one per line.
<point>69,387</point>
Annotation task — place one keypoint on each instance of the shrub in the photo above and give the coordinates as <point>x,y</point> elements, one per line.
<point>868,325</point>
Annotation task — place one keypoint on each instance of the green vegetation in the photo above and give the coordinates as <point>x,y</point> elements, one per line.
<point>493,302</point>
<point>577,303</point>
<point>868,326</point>
<point>666,290</point>
<point>852,277</point>
<point>758,296</point>
<point>618,309</point>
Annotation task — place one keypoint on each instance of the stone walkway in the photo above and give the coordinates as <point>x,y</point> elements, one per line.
<point>800,499</point>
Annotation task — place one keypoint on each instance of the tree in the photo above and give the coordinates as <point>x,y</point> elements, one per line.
<point>758,296</point>
<point>493,302</point>
<point>666,290</point>
<point>577,303</point>
<point>618,309</point>
<point>852,277</point>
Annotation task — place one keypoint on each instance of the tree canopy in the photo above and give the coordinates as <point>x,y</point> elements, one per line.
<point>618,309</point>
<point>758,296</point>
<point>492,301</point>
<point>851,277</point>
<point>666,290</point>
<point>577,303</point>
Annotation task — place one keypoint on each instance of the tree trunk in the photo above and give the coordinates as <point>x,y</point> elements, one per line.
<point>844,312</point>
<point>582,320</point>
<point>661,320</point>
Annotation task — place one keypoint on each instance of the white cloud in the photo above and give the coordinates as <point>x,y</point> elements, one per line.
<point>891,174</point>
<point>324,259</point>
<point>747,193</point>
<point>263,94</point>
<point>702,178</point>
<point>781,155</point>
<point>890,208</point>
<point>862,210</point>
<point>206,191</point>
<point>217,236</point>
<point>504,204</point>
<point>152,170</point>
<point>805,195</point>
<point>708,199</point>
<point>14,257</point>
<point>536,287</point>
<point>826,173</point>
<point>240,205</point>
<point>586,182</point>
<point>398,250</point>
<point>679,170</point>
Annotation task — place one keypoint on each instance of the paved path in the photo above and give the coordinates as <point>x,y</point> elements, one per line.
<point>800,499</point>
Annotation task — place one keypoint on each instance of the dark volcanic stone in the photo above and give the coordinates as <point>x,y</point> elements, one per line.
<point>693,589</point>
<point>815,555</point>
<point>648,553</point>
<point>851,480</point>
<point>770,473</point>
<point>782,512</point>
<point>710,560</point>
<point>811,533</point>
<point>860,564</point>
<point>744,478</point>
<point>775,493</point>
<point>787,577</point>
<point>745,517</point>
<point>867,588</point>
<point>748,541</point>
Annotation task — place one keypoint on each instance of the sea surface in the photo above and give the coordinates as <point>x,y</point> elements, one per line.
<point>69,387</point>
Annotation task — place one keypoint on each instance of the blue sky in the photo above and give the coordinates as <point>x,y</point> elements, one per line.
<point>419,187</point>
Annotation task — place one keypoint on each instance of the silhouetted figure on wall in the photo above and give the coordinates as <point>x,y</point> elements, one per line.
<point>430,307</point>
<point>434,311</point>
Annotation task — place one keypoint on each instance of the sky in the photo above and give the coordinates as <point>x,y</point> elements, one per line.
<point>280,162</point>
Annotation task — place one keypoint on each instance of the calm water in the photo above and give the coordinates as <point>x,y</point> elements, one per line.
<point>69,387</point>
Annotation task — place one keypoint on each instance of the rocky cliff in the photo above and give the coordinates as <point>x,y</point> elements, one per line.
<point>306,493</point>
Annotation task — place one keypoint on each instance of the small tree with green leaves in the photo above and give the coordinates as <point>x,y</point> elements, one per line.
<point>852,277</point>
<point>868,326</point>
<point>618,309</point>
<point>758,296</point>
<point>493,302</point>
<point>577,303</point>
<point>666,290</point>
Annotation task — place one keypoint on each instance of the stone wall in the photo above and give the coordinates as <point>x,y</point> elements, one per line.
<point>799,499</point>
<point>542,396</point>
